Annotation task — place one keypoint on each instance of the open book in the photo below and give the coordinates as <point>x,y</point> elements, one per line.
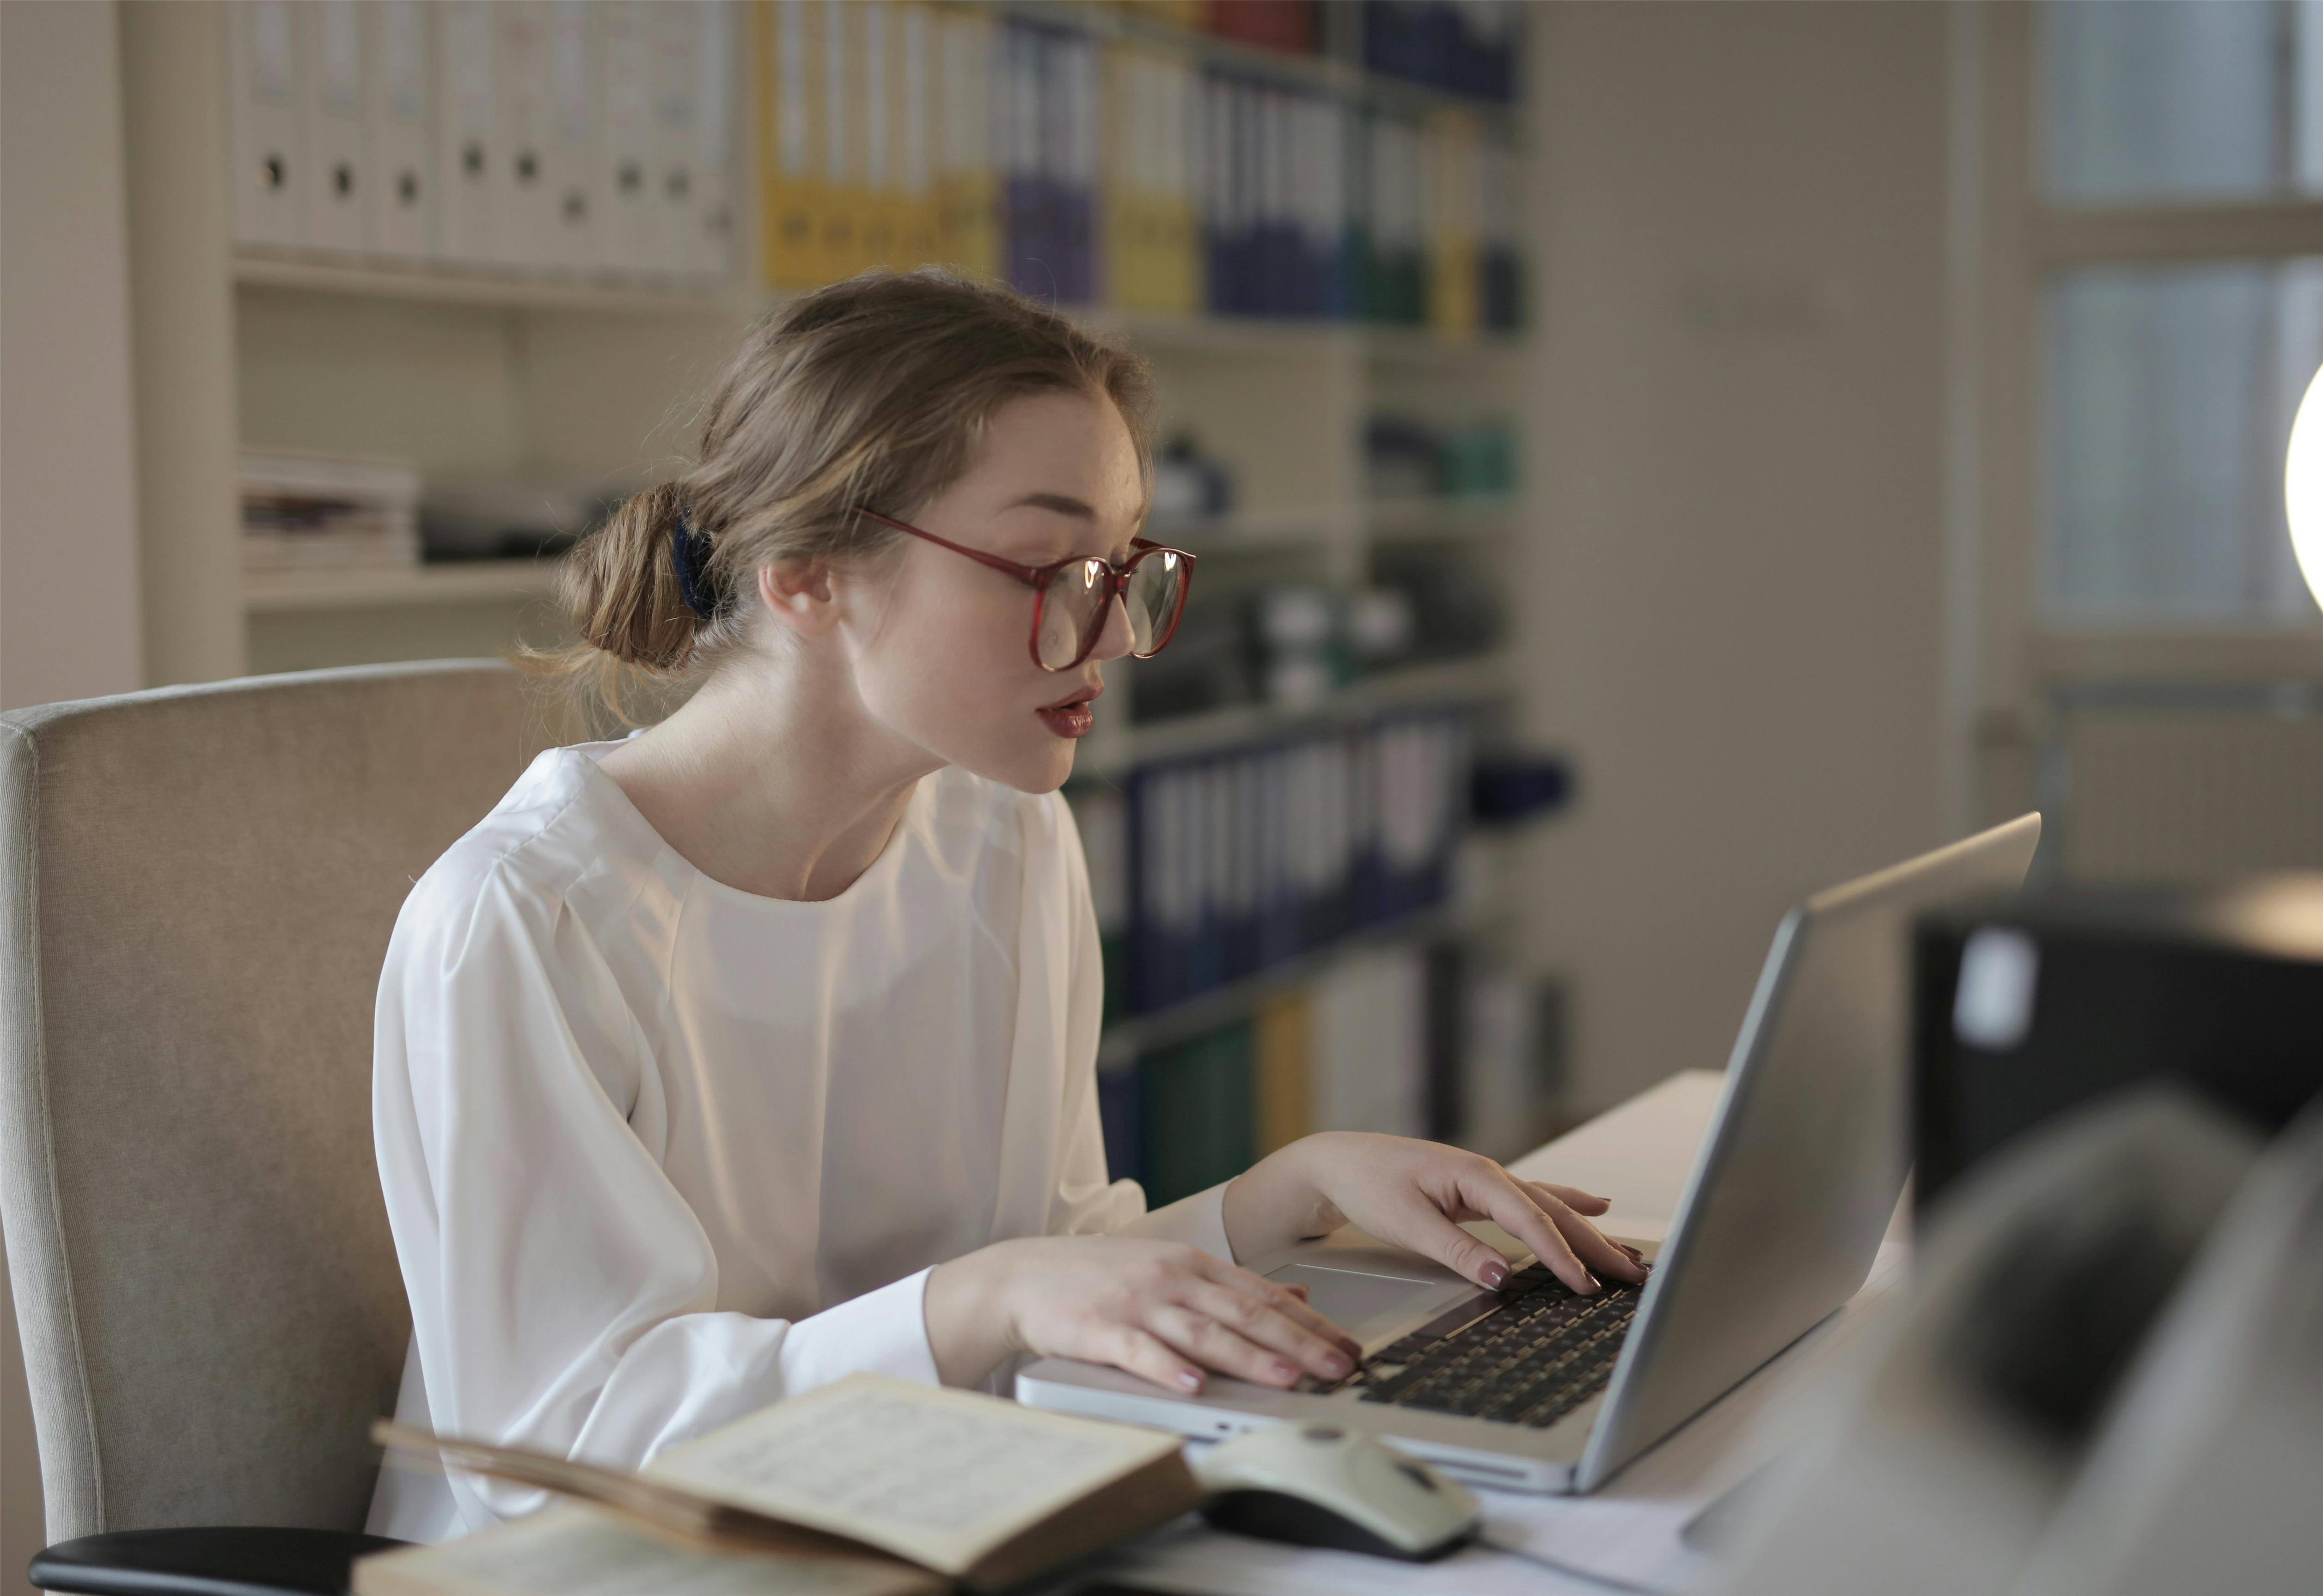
<point>864,1488</point>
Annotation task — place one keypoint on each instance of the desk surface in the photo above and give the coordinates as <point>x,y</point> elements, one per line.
<point>1637,1155</point>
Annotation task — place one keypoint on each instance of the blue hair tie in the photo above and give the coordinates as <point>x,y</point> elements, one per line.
<point>690,552</point>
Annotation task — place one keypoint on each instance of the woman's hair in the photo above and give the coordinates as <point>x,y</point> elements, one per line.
<point>868,394</point>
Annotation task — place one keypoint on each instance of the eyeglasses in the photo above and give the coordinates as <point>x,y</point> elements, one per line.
<point>1072,598</point>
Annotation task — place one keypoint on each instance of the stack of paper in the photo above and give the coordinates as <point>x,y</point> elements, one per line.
<point>321,512</point>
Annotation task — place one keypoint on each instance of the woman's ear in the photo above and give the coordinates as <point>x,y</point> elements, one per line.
<point>799,593</point>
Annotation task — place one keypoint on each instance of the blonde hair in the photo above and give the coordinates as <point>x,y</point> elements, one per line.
<point>868,394</point>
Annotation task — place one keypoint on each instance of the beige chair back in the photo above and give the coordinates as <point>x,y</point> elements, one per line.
<point>197,886</point>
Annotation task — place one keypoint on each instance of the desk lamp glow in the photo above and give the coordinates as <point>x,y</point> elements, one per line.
<point>2302,487</point>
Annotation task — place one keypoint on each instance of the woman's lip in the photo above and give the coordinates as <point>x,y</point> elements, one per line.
<point>1085,695</point>
<point>1069,720</point>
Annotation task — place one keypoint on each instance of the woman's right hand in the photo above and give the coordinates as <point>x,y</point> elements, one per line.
<point>1164,1310</point>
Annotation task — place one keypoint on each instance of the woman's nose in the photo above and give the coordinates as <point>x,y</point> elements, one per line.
<point>1115,640</point>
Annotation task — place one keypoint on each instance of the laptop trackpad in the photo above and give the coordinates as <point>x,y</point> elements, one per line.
<point>1348,1298</point>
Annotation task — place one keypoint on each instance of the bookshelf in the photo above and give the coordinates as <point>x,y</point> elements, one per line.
<point>484,580</point>
<point>1125,1040</point>
<point>489,374</point>
<point>508,290</point>
<point>1118,745</point>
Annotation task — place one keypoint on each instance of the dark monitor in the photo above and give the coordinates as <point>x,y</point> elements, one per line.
<point>2028,1007</point>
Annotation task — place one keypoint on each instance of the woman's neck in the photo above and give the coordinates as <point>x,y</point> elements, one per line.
<point>771,781</point>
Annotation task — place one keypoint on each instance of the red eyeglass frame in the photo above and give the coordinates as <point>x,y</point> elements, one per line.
<point>1037,578</point>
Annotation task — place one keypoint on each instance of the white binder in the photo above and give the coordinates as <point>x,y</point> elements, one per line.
<point>627,215</point>
<point>717,59</point>
<point>471,166</point>
<point>399,99</point>
<point>525,236</point>
<point>338,196</point>
<point>573,125</point>
<point>270,162</point>
<point>673,44</point>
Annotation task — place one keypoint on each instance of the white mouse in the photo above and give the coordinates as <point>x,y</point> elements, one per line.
<point>1319,1485</point>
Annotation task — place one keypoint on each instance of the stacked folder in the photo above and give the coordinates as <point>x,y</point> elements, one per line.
<point>1238,861</point>
<point>540,136</point>
<point>1213,867</point>
<point>1357,1049</point>
<point>1414,1039</point>
<point>1018,146</point>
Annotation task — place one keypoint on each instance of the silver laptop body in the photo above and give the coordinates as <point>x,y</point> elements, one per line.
<point>1777,1225</point>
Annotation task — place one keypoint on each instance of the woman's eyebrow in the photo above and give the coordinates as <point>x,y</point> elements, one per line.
<point>1064,504</point>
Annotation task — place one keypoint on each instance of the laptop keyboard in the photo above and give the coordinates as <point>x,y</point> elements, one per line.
<point>1529,1359</point>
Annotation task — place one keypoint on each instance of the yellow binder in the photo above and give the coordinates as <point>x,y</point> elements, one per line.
<point>1152,247</point>
<point>1285,1071</point>
<point>916,133</point>
<point>847,122</point>
<point>790,154</point>
<point>1453,272</point>
<point>967,185</point>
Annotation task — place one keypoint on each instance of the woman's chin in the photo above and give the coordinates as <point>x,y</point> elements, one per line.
<point>1028,764</point>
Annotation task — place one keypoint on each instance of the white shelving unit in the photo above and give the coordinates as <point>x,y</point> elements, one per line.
<point>1117,747</point>
<point>485,580</point>
<point>484,374</point>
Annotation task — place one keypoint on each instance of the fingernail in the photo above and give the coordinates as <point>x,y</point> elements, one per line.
<point>1285,1372</point>
<point>1191,1380</point>
<point>1634,1256</point>
<point>1495,1275</point>
<point>1336,1365</point>
<point>1593,1282</point>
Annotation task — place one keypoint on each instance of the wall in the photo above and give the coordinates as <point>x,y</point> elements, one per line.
<point>69,580</point>
<point>68,614</point>
<point>1732,611</point>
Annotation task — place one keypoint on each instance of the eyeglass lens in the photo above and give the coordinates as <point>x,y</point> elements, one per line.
<point>1074,605</point>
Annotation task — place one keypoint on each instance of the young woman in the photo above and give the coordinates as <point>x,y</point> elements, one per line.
<point>758,1048</point>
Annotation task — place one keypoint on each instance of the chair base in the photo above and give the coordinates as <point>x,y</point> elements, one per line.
<point>239,1561</point>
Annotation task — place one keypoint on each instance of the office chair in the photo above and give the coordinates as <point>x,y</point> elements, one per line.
<point>197,885</point>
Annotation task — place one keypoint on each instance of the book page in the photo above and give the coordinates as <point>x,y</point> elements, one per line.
<point>574,1552</point>
<point>937,1476</point>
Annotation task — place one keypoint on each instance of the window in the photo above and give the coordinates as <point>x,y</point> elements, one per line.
<point>2170,399</point>
<point>2184,100</point>
<point>2170,353</point>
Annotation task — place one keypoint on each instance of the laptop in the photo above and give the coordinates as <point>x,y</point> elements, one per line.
<point>1532,1388</point>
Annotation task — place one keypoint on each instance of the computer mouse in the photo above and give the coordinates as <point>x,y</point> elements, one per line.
<point>1320,1485</point>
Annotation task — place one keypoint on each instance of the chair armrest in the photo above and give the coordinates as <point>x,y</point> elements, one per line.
<point>235,1560</point>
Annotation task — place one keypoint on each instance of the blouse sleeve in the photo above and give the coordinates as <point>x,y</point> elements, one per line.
<point>1087,1201</point>
<point>562,1294</point>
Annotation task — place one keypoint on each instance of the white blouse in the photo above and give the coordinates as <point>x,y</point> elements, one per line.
<point>657,1151</point>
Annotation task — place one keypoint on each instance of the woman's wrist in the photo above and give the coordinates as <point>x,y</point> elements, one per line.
<point>1277,1201</point>
<point>970,1325</point>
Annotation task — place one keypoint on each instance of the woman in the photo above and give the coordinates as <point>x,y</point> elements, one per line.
<point>757,1048</point>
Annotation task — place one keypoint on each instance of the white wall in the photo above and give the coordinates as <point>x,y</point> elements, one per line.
<point>1733,611</point>
<point>68,617</point>
<point>69,577</point>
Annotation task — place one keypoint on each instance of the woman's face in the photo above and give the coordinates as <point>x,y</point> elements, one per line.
<point>943,657</point>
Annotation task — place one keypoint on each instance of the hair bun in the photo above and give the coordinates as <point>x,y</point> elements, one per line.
<point>621,584</point>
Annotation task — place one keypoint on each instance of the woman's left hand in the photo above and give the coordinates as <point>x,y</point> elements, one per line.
<point>1415,1195</point>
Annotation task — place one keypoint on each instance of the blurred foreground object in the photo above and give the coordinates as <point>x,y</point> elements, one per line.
<point>2108,1378</point>
<point>2024,1009</point>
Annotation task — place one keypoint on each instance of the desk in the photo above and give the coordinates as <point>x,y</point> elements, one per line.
<point>1638,1155</point>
